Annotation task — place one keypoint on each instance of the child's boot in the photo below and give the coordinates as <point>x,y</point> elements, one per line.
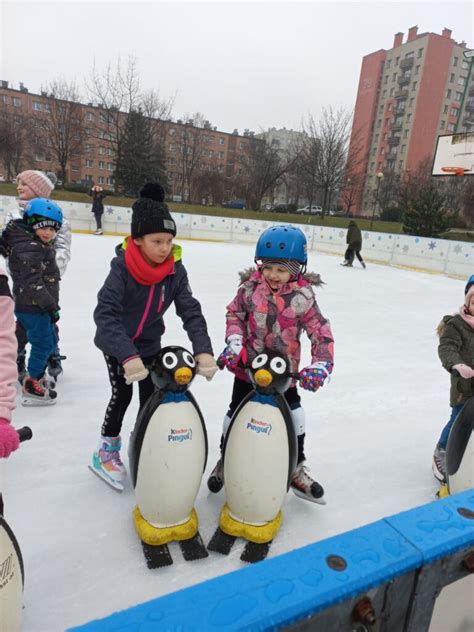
<point>106,462</point>
<point>215,482</point>
<point>439,464</point>
<point>305,487</point>
<point>36,393</point>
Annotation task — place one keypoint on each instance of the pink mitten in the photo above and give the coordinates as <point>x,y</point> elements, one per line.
<point>464,371</point>
<point>9,440</point>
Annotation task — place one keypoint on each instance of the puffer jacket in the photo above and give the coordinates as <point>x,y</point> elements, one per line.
<point>129,315</point>
<point>456,346</point>
<point>62,242</point>
<point>8,347</point>
<point>269,320</point>
<point>354,236</point>
<point>33,269</point>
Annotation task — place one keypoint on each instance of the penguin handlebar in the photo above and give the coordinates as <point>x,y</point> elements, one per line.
<point>25,433</point>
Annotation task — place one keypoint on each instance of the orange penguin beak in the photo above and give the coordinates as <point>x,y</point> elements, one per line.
<point>183,375</point>
<point>263,377</point>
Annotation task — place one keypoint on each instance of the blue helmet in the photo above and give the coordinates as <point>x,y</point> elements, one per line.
<point>469,284</point>
<point>282,242</point>
<point>41,213</point>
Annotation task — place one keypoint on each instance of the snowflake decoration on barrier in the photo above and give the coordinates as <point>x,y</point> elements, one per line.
<point>204,220</point>
<point>432,245</point>
<point>341,233</point>
<point>457,249</point>
<point>247,229</point>
<point>110,210</point>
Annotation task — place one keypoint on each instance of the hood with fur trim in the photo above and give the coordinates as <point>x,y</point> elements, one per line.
<point>311,277</point>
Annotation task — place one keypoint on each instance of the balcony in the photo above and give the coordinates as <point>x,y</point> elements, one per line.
<point>470,105</point>
<point>393,141</point>
<point>404,79</point>
<point>407,62</point>
<point>397,124</point>
<point>401,94</point>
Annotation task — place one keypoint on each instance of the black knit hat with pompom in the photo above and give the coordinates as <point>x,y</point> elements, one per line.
<point>150,214</point>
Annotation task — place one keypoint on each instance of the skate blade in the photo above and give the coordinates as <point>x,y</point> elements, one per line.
<point>311,499</point>
<point>28,401</point>
<point>116,485</point>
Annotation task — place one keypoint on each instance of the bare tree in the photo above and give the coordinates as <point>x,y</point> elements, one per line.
<point>15,141</point>
<point>191,146</point>
<point>117,91</point>
<point>60,130</point>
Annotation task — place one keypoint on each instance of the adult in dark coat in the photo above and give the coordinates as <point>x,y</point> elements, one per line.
<point>98,194</point>
<point>354,245</point>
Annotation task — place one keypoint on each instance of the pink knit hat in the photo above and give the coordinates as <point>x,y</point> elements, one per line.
<point>38,182</point>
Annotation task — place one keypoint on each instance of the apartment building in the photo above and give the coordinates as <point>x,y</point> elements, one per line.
<point>93,160</point>
<point>407,96</point>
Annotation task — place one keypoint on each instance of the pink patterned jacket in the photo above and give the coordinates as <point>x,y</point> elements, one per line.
<point>8,350</point>
<point>275,320</point>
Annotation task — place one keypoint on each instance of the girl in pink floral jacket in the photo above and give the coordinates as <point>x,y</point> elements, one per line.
<point>273,306</point>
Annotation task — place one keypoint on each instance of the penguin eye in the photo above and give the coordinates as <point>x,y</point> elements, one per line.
<point>169,360</point>
<point>260,361</point>
<point>278,365</point>
<point>188,358</point>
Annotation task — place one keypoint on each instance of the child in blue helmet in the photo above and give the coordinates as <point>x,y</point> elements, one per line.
<point>456,352</point>
<point>273,305</point>
<point>35,274</point>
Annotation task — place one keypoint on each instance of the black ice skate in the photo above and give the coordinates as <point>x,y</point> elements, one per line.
<point>305,487</point>
<point>215,482</point>
<point>54,365</point>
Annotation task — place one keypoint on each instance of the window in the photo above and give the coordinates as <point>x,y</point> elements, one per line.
<point>172,147</point>
<point>17,102</point>
<point>372,165</point>
<point>89,116</point>
<point>408,117</point>
<point>420,53</point>
<point>75,168</point>
<point>39,155</point>
<point>451,127</point>
<point>400,164</point>
<point>89,163</point>
<point>384,94</point>
<point>394,76</point>
<point>417,70</point>
<point>221,141</point>
<point>101,164</point>
<point>172,131</point>
<point>389,63</point>
<point>462,81</point>
<point>405,134</point>
<point>464,65</point>
<point>380,110</point>
<point>458,96</point>
<point>455,61</point>
<point>102,151</point>
<point>448,93</point>
<point>389,107</point>
<point>110,180</point>
<point>37,106</point>
<point>414,85</point>
<point>442,125</point>
<point>403,149</point>
<point>88,148</point>
<point>88,177</point>
<point>379,122</point>
<point>220,154</point>
<point>101,180</point>
<point>410,103</point>
<point>455,111</point>
<point>4,98</point>
<point>110,166</point>
<point>451,77</point>
<point>397,60</point>
<point>445,109</point>
<point>392,90</point>
<point>385,80</point>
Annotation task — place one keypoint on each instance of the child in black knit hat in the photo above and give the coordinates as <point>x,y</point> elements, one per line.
<point>146,277</point>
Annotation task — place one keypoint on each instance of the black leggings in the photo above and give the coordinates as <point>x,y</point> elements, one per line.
<point>349,256</point>
<point>122,396</point>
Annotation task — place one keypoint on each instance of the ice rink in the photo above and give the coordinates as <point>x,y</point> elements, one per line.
<point>370,432</point>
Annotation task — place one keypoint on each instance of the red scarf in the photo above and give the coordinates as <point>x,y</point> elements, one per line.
<point>141,270</point>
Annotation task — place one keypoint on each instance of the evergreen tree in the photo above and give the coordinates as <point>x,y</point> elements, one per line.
<point>142,158</point>
<point>426,215</point>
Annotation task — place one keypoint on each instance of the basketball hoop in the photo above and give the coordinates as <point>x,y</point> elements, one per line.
<point>458,171</point>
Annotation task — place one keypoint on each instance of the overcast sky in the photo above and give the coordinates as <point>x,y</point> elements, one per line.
<point>242,64</point>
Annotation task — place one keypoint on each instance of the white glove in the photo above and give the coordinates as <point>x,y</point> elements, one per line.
<point>135,370</point>
<point>464,371</point>
<point>206,365</point>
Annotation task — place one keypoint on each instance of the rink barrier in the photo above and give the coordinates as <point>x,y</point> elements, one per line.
<point>385,576</point>
<point>452,258</point>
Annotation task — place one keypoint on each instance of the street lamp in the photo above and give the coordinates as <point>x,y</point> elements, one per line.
<point>379,177</point>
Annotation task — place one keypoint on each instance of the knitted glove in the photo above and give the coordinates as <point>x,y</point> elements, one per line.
<point>313,377</point>
<point>134,369</point>
<point>234,353</point>
<point>206,365</point>
<point>54,315</point>
<point>9,440</point>
<point>464,371</point>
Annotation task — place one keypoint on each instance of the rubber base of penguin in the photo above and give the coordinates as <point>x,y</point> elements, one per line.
<point>258,534</point>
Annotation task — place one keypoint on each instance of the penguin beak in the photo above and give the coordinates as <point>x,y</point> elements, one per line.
<point>183,375</point>
<point>263,377</point>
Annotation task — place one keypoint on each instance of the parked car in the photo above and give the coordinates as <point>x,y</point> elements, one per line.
<point>234,204</point>
<point>310,210</point>
<point>2,179</point>
<point>280,208</point>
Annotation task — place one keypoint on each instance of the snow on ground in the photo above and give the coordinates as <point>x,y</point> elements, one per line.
<point>370,432</point>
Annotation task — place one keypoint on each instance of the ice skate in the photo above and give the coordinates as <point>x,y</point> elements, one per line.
<point>215,482</point>
<point>55,368</point>
<point>35,393</point>
<point>363,264</point>
<point>107,464</point>
<point>305,487</point>
<point>99,231</point>
<point>346,264</point>
<point>439,464</point>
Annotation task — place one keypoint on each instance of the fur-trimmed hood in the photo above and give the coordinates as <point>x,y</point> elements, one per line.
<point>311,277</point>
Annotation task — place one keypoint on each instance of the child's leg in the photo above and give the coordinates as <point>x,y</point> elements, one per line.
<point>119,401</point>
<point>41,335</point>
<point>443,440</point>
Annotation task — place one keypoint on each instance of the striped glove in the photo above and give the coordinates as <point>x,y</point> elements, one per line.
<point>313,377</point>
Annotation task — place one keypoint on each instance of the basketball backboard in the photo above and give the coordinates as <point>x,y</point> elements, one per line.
<point>454,155</point>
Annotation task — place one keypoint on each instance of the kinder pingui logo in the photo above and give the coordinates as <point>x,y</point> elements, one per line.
<point>178,435</point>
<point>7,571</point>
<point>259,427</point>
